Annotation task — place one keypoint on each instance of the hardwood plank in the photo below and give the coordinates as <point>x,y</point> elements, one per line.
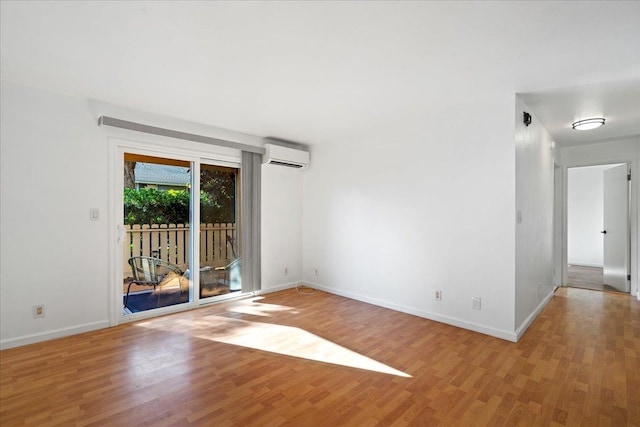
<point>578,364</point>
<point>588,278</point>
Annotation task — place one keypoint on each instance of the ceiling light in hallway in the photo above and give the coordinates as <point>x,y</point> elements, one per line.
<point>588,124</point>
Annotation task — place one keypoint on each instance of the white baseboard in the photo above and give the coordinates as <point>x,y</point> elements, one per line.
<point>487,330</point>
<point>277,288</point>
<point>73,330</point>
<point>585,264</point>
<point>49,335</point>
<point>498,333</point>
<point>529,320</point>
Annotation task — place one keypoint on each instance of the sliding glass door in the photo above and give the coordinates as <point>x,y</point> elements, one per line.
<point>220,263</point>
<point>156,241</point>
<point>166,259</point>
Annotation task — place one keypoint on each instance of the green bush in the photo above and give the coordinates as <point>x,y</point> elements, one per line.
<point>152,206</point>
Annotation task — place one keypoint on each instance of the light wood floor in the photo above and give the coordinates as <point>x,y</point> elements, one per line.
<point>588,278</point>
<point>257,364</point>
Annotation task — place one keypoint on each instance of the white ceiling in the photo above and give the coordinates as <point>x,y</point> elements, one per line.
<point>316,72</point>
<point>618,102</point>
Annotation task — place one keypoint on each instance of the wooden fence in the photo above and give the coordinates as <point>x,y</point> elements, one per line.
<point>170,242</point>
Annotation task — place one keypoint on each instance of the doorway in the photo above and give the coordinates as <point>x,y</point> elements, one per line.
<point>598,227</point>
<point>180,231</point>
<point>156,255</point>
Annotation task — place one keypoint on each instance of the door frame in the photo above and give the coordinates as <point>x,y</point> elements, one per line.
<point>625,170</point>
<point>157,146</point>
<point>562,187</point>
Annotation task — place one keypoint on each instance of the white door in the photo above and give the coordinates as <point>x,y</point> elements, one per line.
<point>616,227</point>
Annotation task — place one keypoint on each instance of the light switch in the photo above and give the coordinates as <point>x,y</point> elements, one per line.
<point>94,214</point>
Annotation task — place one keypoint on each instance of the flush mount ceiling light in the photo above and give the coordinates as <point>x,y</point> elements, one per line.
<point>588,124</point>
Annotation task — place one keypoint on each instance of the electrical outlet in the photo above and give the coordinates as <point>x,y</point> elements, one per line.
<point>38,311</point>
<point>438,295</point>
<point>286,271</point>
<point>317,274</point>
<point>476,303</point>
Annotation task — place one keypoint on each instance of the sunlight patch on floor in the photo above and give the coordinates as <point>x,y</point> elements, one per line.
<point>285,340</point>
<point>253,307</point>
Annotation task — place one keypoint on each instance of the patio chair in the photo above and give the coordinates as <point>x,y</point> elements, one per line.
<point>150,271</point>
<point>233,265</point>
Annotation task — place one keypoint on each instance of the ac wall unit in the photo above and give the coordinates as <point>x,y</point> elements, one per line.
<point>286,156</point>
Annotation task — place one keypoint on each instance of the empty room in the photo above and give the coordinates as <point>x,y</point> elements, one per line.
<point>311,213</point>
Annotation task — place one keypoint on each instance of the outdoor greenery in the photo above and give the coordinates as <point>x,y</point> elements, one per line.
<point>220,189</point>
<point>149,205</point>
<point>152,206</point>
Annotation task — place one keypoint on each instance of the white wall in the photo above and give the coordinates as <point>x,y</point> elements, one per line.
<point>54,168</point>
<point>585,215</point>
<point>558,215</point>
<point>534,207</point>
<point>281,227</point>
<point>621,151</point>
<point>389,218</point>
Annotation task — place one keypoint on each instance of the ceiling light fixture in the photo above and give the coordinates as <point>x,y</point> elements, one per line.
<point>588,124</point>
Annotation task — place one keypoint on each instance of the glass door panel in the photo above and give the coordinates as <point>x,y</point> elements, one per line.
<point>219,237</point>
<point>156,232</point>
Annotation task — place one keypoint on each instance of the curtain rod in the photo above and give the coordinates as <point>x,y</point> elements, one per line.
<point>153,130</point>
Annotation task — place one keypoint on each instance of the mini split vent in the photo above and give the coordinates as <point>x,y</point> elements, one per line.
<point>286,156</point>
<point>289,165</point>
